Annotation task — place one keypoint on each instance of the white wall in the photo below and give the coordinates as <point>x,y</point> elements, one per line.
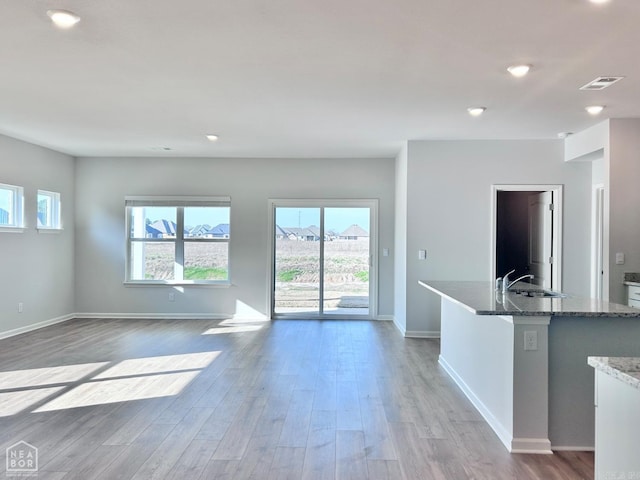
<point>612,147</point>
<point>37,268</point>
<point>624,196</point>
<point>449,213</point>
<point>400,256</point>
<point>102,184</point>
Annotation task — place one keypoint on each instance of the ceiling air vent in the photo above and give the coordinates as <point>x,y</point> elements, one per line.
<point>600,83</point>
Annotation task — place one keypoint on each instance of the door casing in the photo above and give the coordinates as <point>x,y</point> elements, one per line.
<point>558,200</point>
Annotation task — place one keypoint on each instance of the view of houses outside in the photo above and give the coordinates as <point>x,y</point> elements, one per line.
<point>203,259</point>
<point>6,206</point>
<point>346,262</point>
<point>297,257</point>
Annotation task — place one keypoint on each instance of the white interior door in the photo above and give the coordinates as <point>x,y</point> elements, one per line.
<point>541,210</point>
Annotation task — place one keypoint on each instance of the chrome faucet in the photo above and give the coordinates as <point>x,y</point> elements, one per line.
<point>506,284</point>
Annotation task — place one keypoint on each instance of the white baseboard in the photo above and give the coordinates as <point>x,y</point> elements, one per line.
<point>400,328</point>
<point>513,445</point>
<point>503,434</point>
<point>35,326</point>
<point>156,316</point>
<point>531,445</point>
<point>386,318</point>
<point>421,334</point>
<point>573,449</point>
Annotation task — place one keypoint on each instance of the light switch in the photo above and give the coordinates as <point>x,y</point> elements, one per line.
<point>385,252</point>
<point>619,258</point>
<point>422,254</point>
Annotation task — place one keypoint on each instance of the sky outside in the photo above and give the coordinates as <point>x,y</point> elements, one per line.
<point>336,219</point>
<point>5,200</point>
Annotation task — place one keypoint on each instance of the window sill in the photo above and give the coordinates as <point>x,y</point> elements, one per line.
<point>49,230</point>
<point>168,283</point>
<point>12,229</point>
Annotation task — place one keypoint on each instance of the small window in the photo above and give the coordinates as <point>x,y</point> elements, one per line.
<point>11,207</point>
<point>178,240</point>
<point>49,210</point>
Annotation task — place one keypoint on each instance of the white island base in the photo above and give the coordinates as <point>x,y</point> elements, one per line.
<point>522,361</point>
<point>508,385</point>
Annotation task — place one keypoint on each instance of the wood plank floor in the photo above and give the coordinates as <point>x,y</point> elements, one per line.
<point>194,399</point>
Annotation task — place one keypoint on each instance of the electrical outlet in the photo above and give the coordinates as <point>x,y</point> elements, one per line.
<point>531,340</point>
<point>20,307</point>
<point>422,254</point>
<point>172,296</point>
<point>385,252</point>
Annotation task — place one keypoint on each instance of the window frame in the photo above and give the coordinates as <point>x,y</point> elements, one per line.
<point>55,213</point>
<point>16,213</point>
<point>179,241</point>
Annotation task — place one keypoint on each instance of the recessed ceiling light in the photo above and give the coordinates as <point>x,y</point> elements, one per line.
<point>599,1</point>
<point>63,18</point>
<point>519,70</point>
<point>594,109</point>
<point>476,111</point>
<point>212,138</point>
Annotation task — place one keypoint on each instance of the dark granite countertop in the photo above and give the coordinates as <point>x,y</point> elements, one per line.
<point>481,298</point>
<point>632,279</point>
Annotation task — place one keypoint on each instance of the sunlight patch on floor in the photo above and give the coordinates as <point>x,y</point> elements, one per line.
<point>121,390</point>
<point>73,386</point>
<point>47,375</point>
<point>12,403</point>
<point>236,329</point>
<point>167,363</point>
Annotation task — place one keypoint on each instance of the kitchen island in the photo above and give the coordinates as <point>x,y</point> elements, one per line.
<point>617,417</point>
<point>522,361</point>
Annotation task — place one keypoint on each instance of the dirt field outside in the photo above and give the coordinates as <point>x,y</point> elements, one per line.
<point>346,276</point>
<point>297,275</point>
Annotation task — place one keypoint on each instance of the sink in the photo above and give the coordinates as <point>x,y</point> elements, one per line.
<point>540,293</point>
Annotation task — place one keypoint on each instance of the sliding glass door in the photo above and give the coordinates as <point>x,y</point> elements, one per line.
<point>322,258</point>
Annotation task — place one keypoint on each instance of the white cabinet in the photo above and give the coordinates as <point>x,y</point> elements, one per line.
<point>617,427</point>
<point>633,296</point>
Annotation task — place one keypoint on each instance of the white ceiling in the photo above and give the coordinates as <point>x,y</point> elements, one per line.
<point>300,78</point>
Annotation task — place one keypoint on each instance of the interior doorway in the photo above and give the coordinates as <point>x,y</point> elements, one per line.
<point>526,233</point>
<point>323,262</point>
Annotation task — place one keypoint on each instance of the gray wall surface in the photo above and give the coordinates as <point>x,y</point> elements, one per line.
<point>37,267</point>
<point>449,213</point>
<point>103,183</point>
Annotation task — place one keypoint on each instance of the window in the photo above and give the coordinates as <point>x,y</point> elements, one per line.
<point>11,207</point>
<point>178,240</point>
<point>49,210</point>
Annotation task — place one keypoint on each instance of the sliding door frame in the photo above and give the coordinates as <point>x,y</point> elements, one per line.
<point>371,204</point>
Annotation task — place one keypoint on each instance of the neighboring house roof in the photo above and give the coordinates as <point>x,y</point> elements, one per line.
<point>294,231</point>
<point>165,227</point>
<point>199,230</point>
<point>220,230</point>
<point>282,232</point>
<point>305,232</point>
<point>312,230</point>
<point>355,231</point>
<point>154,232</point>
